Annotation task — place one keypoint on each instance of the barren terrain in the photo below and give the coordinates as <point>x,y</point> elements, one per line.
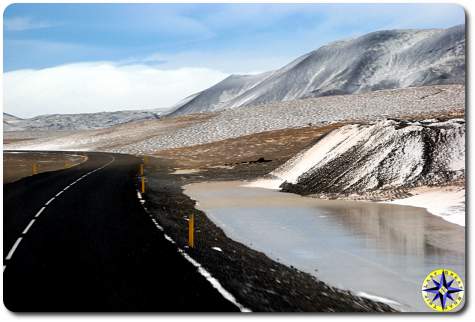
<point>19,165</point>
<point>151,136</point>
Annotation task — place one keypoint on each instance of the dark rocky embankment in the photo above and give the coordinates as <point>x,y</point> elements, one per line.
<point>386,156</point>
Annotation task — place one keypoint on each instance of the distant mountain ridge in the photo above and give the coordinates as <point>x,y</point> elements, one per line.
<point>378,60</point>
<point>71,122</point>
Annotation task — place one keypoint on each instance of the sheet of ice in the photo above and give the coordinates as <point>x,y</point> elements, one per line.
<point>449,205</point>
<point>383,250</point>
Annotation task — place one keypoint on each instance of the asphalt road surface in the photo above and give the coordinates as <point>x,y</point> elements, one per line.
<point>93,248</point>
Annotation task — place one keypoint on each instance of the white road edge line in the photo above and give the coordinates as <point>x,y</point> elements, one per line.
<point>216,284</point>
<point>207,275</point>
<point>29,226</point>
<point>10,253</point>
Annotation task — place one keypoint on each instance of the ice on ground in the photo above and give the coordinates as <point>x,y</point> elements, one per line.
<point>447,204</point>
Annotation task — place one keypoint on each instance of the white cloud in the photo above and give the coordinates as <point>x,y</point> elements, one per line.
<point>101,86</point>
<point>24,23</point>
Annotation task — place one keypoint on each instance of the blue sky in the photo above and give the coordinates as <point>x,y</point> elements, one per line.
<point>222,38</point>
<point>44,35</point>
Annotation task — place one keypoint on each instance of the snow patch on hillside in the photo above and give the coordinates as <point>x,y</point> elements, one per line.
<point>386,155</point>
<point>298,113</point>
<point>378,60</point>
<point>381,158</point>
<point>80,121</point>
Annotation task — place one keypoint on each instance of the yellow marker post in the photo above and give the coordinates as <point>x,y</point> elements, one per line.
<point>142,184</point>
<point>34,168</point>
<point>141,169</point>
<point>191,231</point>
<point>145,159</point>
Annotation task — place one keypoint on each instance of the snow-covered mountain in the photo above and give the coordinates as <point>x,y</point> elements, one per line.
<point>378,60</point>
<point>382,156</point>
<point>71,122</point>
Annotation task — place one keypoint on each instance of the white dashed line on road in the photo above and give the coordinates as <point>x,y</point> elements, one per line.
<point>10,253</point>
<point>49,201</point>
<point>39,212</point>
<point>28,227</point>
<point>12,250</point>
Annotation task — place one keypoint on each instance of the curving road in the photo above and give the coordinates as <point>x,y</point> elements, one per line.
<point>78,240</point>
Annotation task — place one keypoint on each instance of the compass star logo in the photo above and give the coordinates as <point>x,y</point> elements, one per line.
<point>442,290</point>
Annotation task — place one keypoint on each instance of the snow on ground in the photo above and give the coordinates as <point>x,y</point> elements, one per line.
<point>448,204</point>
<point>378,298</point>
<point>73,122</point>
<point>378,60</point>
<point>298,113</point>
<point>381,156</point>
<point>328,147</point>
<point>150,136</point>
<point>378,160</point>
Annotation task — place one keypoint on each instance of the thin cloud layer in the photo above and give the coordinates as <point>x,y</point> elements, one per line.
<point>24,23</point>
<point>101,86</point>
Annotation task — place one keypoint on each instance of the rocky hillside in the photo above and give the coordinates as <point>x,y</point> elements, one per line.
<point>11,122</point>
<point>379,60</point>
<point>71,122</point>
<point>385,155</point>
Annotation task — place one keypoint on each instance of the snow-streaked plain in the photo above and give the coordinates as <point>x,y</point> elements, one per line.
<point>148,137</point>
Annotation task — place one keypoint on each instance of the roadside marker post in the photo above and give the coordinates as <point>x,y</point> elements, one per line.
<point>34,169</point>
<point>191,231</point>
<point>142,184</point>
<point>141,170</point>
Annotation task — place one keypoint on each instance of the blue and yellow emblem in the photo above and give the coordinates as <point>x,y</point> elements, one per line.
<point>442,290</point>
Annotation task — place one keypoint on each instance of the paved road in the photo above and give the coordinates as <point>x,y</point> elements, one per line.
<point>93,247</point>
